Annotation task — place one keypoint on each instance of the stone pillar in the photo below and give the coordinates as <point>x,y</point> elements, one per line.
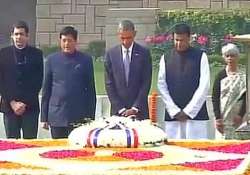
<point>244,130</point>
<point>145,20</point>
<point>225,4</point>
<point>246,40</point>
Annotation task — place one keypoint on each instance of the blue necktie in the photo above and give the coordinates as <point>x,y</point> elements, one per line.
<point>126,65</point>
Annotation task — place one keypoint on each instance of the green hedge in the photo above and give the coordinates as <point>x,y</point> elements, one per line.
<point>210,30</point>
<point>95,48</point>
<point>49,49</point>
<point>208,22</point>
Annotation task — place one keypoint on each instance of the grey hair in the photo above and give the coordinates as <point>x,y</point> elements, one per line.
<point>230,49</point>
<point>126,25</point>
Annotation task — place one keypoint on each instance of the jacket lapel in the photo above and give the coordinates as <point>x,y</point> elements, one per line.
<point>134,59</point>
<point>121,65</point>
<point>11,57</point>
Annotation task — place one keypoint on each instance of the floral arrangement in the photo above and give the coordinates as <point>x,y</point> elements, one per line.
<point>118,132</point>
<point>232,155</point>
<point>138,155</point>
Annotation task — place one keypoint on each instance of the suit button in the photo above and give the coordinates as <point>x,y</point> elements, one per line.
<point>19,83</point>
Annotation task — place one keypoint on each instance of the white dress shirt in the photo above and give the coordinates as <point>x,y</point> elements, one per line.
<point>124,52</point>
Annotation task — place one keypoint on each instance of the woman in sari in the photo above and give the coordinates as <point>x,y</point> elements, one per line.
<point>229,93</point>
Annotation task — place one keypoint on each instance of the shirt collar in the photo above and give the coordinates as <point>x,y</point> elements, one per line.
<point>124,50</point>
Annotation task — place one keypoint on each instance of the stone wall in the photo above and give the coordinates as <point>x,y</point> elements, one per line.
<point>144,19</point>
<point>88,16</point>
<point>11,12</point>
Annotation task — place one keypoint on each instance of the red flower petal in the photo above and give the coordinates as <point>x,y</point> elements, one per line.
<point>242,148</point>
<point>62,154</point>
<point>5,145</point>
<point>218,165</point>
<point>139,155</point>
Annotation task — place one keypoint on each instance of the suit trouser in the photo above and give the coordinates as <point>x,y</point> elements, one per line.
<point>28,123</point>
<point>60,132</point>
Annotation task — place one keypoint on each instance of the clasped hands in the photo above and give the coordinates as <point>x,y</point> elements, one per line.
<point>220,125</point>
<point>181,116</point>
<point>129,112</point>
<point>18,107</point>
<point>236,120</point>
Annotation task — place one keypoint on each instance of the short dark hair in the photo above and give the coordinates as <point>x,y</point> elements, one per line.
<point>20,24</point>
<point>126,25</point>
<point>182,28</point>
<point>69,30</point>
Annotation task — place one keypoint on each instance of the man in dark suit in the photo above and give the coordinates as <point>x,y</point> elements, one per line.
<point>69,94</point>
<point>128,73</point>
<point>21,74</point>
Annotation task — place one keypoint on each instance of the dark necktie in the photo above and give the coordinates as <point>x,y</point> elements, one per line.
<point>126,65</point>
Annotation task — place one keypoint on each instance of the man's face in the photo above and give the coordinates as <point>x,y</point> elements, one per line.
<point>68,43</point>
<point>181,42</point>
<point>20,37</point>
<point>126,38</point>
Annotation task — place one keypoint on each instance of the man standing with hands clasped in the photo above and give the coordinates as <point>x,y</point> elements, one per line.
<point>128,72</point>
<point>183,82</point>
<point>21,74</point>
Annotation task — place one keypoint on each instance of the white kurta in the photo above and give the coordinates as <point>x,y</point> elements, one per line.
<point>191,129</point>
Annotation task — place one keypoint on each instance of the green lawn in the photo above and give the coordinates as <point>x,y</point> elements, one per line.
<point>99,77</point>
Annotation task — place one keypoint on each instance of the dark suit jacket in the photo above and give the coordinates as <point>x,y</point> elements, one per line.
<point>18,86</point>
<point>69,89</point>
<point>136,93</point>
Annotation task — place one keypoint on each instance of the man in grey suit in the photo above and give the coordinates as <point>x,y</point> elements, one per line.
<point>128,74</point>
<point>69,94</point>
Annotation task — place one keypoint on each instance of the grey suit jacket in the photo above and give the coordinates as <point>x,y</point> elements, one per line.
<point>135,94</point>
